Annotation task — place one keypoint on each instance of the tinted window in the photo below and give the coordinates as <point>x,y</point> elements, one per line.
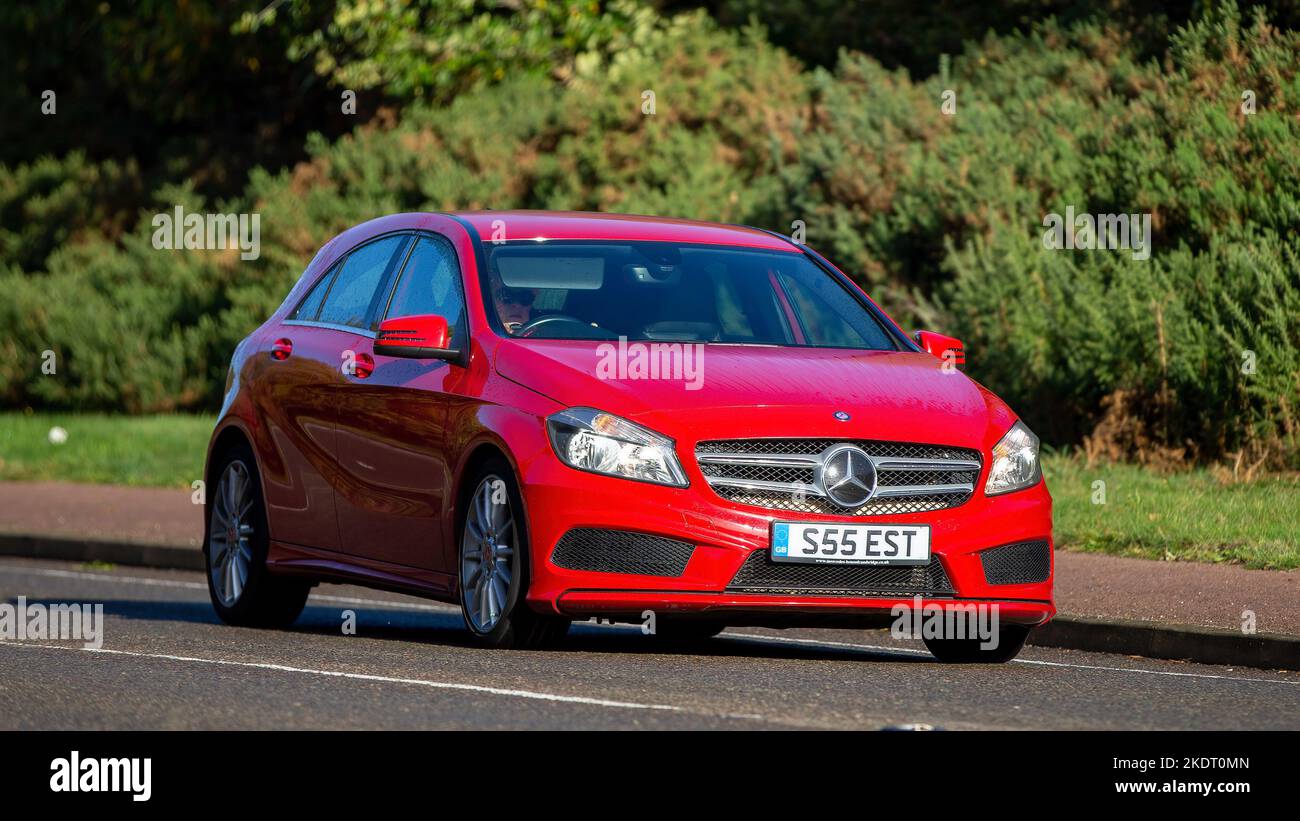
<point>349,300</point>
<point>675,292</point>
<point>430,284</point>
<point>308,308</point>
<point>821,306</point>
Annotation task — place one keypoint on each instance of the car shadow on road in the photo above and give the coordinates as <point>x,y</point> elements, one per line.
<point>447,629</point>
<point>585,637</point>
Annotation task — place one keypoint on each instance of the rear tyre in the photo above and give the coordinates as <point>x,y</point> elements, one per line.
<point>243,591</point>
<point>494,565</point>
<point>968,651</point>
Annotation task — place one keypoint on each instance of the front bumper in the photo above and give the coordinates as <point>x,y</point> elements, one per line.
<point>558,499</point>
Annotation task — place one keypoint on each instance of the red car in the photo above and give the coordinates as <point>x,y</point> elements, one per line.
<point>555,416</point>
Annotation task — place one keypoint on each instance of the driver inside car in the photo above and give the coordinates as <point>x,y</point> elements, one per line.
<point>514,306</point>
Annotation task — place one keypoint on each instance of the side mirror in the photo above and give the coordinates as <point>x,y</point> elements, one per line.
<point>423,336</point>
<point>939,346</point>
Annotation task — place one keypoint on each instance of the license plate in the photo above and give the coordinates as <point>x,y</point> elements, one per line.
<point>824,543</point>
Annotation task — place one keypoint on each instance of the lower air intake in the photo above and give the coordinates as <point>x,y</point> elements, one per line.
<point>621,551</point>
<point>761,575</point>
<point>1020,563</point>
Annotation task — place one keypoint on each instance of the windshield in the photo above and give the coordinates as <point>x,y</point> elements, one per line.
<point>672,292</point>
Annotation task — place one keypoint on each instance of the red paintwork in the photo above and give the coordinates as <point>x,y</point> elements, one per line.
<point>517,225</point>
<point>938,345</point>
<point>361,474</point>
<point>415,333</point>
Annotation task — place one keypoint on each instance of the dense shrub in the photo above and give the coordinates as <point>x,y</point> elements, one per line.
<point>944,217</point>
<point>167,86</point>
<point>142,330</point>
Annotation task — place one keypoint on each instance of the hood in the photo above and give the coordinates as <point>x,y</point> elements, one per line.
<point>731,391</point>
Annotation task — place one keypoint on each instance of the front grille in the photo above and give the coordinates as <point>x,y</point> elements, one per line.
<point>784,474</point>
<point>1020,563</point>
<point>621,551</point>
<point>759,574</point>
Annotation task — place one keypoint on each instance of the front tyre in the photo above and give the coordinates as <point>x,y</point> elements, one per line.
<point>494,564</point>
<point>243,591</point>
<point>968,651</point>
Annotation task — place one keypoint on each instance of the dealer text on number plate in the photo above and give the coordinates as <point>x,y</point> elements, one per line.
<point>825,543</point>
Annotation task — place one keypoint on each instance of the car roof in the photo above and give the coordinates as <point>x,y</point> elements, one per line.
<point>536,225</point>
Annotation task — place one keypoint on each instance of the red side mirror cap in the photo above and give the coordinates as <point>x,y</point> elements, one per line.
<point>423,336</point>
<point>942,347</point>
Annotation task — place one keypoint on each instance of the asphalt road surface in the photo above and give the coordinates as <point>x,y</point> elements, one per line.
<point>167,663</point>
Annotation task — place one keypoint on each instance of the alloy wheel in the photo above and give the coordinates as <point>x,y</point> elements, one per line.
<point>230,551</point>
<point>487,555</point>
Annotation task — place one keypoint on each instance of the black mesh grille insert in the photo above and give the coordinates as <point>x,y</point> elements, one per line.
<point>760,575</point>
<point>621,551</point>
<point>1020,563</point>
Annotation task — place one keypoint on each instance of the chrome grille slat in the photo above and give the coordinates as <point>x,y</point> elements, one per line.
<point>781,474</point>
<point>889,463</point>
<point>751,459</point>
<point>892,491</point>
<point>753,484</point>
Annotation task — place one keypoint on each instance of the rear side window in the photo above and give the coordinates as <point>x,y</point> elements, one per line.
<point>430,284</point>
<point>309,307</point>
<point>348,302</point>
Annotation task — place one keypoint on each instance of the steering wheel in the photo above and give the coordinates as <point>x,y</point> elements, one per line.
<point>528,328</point>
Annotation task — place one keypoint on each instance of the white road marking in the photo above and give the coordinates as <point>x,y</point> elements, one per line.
<point>419,682</point>
<point>446,608</point>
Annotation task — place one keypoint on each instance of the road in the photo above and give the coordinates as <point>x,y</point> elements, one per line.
<point>167,663</point>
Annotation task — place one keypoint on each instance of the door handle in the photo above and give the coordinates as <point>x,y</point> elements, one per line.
<point>281,348</point>
<point>363,365</point>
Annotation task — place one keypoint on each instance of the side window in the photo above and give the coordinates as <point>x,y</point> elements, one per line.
<point>430,284</point>
<point>825,310</point>
<point>310,306</point>
<point>348,302</point>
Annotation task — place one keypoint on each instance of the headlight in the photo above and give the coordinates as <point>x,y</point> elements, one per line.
<point>1015,462</point>
<point>600,442</point>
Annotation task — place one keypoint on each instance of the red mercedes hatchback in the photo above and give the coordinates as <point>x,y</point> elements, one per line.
<point>546,417</point>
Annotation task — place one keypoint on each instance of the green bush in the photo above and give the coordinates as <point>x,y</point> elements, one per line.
<point>144,330</point>
<point>943,216</point>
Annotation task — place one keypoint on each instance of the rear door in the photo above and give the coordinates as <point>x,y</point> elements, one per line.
<point>294,391</point>
<point>323,332</point>
<point>395,475</point>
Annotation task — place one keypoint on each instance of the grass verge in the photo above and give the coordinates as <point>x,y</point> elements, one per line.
<point>1181,516</point>
<point>160,451</point>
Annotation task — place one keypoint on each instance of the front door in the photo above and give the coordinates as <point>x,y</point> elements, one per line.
<point>395,479</point>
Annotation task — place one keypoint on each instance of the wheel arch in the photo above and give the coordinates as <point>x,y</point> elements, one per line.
<point>227,435</point>
<point>475,457</point>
